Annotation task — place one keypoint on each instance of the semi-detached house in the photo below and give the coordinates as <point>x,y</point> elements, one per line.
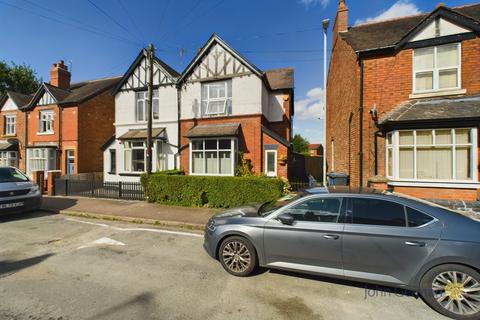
<point>221,110</point>
<point>403,102</point>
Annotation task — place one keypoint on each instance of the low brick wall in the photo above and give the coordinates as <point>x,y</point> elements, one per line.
<point>439,193</point>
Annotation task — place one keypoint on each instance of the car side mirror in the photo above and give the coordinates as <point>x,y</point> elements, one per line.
<point>285,218</point>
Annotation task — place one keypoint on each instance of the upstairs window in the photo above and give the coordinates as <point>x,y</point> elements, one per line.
<point>10,123</point>
<point>141,106</point>
<point>217,98</point>
<point>46,122</point>
<point>437,68</point>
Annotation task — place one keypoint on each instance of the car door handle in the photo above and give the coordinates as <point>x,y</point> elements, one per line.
<point>331,237</point>
<point>415,243</point>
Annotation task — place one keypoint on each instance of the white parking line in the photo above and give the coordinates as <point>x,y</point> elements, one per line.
<point>178,233</point>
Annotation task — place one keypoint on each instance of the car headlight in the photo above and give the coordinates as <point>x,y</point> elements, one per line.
<point>34,189</point>
<point>211,225</point>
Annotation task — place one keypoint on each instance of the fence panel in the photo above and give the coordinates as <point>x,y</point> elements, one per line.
<point>99,189</point>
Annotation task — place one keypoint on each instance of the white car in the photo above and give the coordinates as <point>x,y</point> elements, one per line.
<point>17,192</point>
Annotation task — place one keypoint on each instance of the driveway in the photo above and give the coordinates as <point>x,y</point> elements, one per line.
<point>58,267</point>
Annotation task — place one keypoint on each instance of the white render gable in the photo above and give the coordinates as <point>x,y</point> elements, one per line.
<point>9,105</point>
<point>439,28</point>
<point>46,99</point>
<point>139,77</point>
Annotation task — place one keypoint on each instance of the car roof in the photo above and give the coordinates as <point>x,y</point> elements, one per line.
<point>345,190</point>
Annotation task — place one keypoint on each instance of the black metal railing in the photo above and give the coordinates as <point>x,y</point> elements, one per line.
<point>99,189</point>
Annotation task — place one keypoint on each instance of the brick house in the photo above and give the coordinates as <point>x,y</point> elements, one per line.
<point>12,126</point>
<point>230,109</point>
<point>68,123</point>
<point>403,102</point>
<point>316,150</point>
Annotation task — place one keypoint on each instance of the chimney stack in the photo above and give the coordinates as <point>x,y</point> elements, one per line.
<point>60,76</point>
<point>341,21</point>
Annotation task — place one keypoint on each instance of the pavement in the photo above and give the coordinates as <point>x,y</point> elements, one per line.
<point>130,211</point>
<point>62,267</point>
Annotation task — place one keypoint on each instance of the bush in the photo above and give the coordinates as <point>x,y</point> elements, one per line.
<point>173,172</point>
<point>214,192</point>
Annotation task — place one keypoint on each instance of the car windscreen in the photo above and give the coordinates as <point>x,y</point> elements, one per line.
<point>269,207</point>
<point>11,175</point>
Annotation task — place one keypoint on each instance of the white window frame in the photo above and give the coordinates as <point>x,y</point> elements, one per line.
<point>10,125</point>
<point>233,150</point>
<point>395,147</point>
<point>206,100</point>
<point>270,173</point>
<point>9,159</point>
<point>46,156</point>
<point>436,71</point>
<point>143,97</point>
<point>47,117</point>
<point>128,165</point>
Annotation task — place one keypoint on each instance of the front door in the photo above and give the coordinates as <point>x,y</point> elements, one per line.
<point>312,243</point>
<point>385,241</point>
<point>70,161</point>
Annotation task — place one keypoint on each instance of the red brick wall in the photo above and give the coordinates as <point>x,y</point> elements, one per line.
<point>95,127</point>
<point>439,193</point>
<point>20,133</point>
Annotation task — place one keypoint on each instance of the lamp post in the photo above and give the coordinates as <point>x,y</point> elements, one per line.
<point>325,24</point>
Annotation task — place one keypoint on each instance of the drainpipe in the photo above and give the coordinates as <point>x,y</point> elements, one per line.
<point>360,154</point>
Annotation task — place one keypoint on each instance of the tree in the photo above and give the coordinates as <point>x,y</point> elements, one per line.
<point>300,144</point>
<point>18,77</point>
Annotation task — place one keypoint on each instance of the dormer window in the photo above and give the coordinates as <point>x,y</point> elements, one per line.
<point>216,98</point>
<point>437,68</point>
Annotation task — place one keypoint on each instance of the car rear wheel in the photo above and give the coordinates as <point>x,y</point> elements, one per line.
<point>453,290</point>
<point>237,256</point>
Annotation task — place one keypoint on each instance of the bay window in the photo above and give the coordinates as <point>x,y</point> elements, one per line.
<point>10,125</point>
<point>432,155</point>
<point>217,98</point>
<point>212,156</point>
<point>141,106</point>
<point>135,155</point>
<point>41,159</point>
<point>437,68</point>
<point>8,159</point>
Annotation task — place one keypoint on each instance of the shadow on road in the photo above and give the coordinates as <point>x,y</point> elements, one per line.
<point>8,266</point>
<point>23,216</point>
<point>144,300</point>
<point>56,205</point>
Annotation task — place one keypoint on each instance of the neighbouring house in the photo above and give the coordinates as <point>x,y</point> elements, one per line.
<point>12,124</point>
<point>231,112</point>
<point>316,150</point>
<point>403,102</point>
<point>125,152</point>
<point>68,123</point>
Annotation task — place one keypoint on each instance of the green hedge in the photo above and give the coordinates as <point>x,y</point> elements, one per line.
<point>214,192</point>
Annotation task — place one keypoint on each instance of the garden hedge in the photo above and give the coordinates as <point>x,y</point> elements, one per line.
<point>213,192</point>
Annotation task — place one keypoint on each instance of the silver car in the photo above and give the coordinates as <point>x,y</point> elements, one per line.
<point>17,192</point>
<point>379,238</point>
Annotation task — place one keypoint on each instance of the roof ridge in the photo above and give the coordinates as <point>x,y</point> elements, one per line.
<point>95,80</point>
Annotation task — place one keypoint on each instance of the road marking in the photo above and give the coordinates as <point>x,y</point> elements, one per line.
<point>103,225</point>
<point>103,241</point>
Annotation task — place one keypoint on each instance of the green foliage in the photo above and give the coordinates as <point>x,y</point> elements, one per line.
<point>18,77</point>
<point>214,192</point>
<point>300,144</point>
<point>244,167</point>
<point>173,172</point>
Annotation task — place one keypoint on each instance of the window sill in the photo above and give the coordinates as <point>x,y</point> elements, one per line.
<point>45,133</point>
<point>130,174</point>
<point>441,93</point>
<point>435,184</point>
<point>9,135</point>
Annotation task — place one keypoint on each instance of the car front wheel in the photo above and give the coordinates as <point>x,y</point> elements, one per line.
<point>453,290</point>
<point>237,256</point>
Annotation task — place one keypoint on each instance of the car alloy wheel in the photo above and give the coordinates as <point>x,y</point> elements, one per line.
<point>236,256</point>
<point>457,292</point>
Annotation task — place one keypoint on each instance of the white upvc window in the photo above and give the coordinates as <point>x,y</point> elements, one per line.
<point>217,98</point>
<point>8,159</point>
<point>215,157</point>
<point>141,106</point>
<point>41,159</point>
<point>46,121</point>
<point>438,155</point>
<point>437,68</point>
<point>10,124</point>
<point>135,155</point>
<point>271,163</point>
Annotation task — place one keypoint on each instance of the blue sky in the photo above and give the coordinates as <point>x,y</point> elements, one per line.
<point>102,37</point>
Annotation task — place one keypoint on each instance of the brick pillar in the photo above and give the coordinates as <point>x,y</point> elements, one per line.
<point>39,178</point>
<point>52,176</point>
<point>378,183</point>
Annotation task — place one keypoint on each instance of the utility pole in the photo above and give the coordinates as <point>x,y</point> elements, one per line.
<point>325,24</point>
<point>150,55</point>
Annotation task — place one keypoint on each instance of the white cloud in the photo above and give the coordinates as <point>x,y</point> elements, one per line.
<point>312,106</point>
<point>308,3</point>
<point>400,9</point>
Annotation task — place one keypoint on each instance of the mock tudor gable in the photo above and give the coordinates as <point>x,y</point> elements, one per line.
<point>46,99</point>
